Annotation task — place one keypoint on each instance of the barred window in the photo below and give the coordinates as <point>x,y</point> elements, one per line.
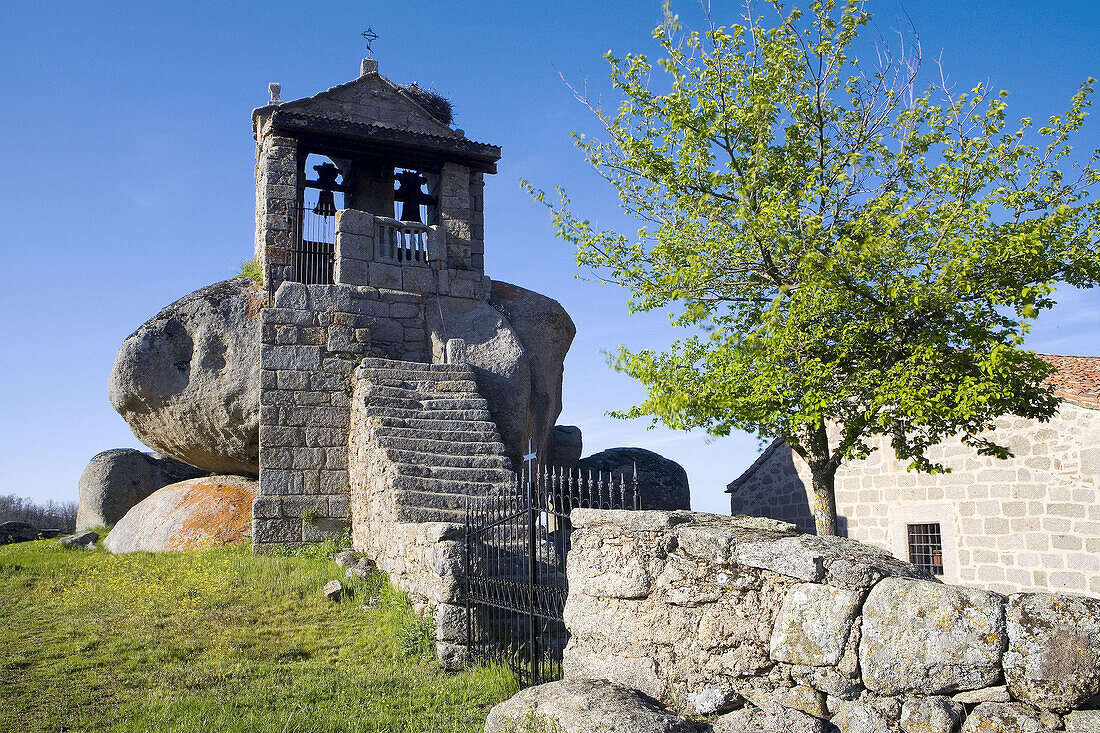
<point>926,547</point>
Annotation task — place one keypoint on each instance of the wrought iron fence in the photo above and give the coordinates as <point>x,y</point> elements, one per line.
<point>314,246</point>
<point>516,548</point>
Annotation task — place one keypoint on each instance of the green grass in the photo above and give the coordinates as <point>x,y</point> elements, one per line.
<point>251,269</point>
<point>221,640</point>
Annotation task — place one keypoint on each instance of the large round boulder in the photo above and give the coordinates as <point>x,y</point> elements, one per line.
<point>546,332</point>
<point>188,381</point>
<point>501,367</point>
<point>12,532</point>
<point>189,515</point>
<point>117,479</point>
<point>662,483</point>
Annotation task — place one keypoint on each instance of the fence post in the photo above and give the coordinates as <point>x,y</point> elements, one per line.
<point>466,589</point>
<point>532,570</point>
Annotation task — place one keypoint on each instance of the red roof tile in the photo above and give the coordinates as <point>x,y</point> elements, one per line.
<point>1077,380</point>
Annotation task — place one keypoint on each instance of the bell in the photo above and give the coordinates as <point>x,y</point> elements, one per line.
<point>326,204</point>
<point>410,196</point>
<point>326,181</point>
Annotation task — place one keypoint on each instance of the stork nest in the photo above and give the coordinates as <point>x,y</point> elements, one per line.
<point>437,106</point>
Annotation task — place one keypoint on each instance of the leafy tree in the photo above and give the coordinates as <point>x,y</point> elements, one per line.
<point>852,256</point>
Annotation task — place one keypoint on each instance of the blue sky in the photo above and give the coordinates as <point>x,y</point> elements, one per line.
<point>128,157</point>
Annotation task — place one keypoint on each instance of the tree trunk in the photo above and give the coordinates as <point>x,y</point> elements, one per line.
<point>824,475</point>
<point>824,499</point>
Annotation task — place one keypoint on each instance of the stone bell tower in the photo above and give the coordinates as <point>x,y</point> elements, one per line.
<point>369,225</point>
<point>354,142</point>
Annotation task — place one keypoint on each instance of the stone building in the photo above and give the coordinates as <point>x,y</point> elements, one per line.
<point>1031,522</point>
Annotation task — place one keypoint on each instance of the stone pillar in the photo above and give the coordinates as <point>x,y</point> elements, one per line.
<point>455,214</point>
<point>354,247</point>
<point>276,204</point>
<point>477,221</point>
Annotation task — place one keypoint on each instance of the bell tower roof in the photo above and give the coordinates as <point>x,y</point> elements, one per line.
<point>373,114</point>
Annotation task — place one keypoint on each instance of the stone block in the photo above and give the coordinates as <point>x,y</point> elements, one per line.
<point>418,279</point>
<point>325,437</point>
<point>298,358</point>
<point>279,436</point>
<point>388,330</point>
<point>330,298</point>
<point>267,507</point>
<point>999,717</point>
<point>336,458</point>
<point>292,295</point>
<point>927,638</point>
<point>351,271</point>
<point>338,507</point>
<point>813,624</point>
<point>287,379</point>
<point>275,458</point>
<point>333,482</point>
<point>294,507</point>
<point>288,316</point>
<point>450,623</point>
<point>384,275</point>
<point>353,221</point>
<point>341,338</point>
<point>1053,657</point>
<point>276,531</point>
<point>280,482</point>
<point>308,458</point>
<point>324,528</point>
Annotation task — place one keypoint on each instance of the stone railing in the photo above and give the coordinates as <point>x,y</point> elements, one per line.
<point>402,242</point>
<point>379,251</point>
<point>731,615</point>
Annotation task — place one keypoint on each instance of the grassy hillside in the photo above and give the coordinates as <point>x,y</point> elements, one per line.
<point>218,641</point>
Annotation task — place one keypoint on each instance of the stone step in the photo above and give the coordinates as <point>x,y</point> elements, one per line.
<point>442,460</point>
<point>408,403</point>
<point>377,362</point>
<point>423,514</point>
<point>433,493</point>
<point>430,390</point>
<point>461,436</point>
<point>398,412</point>
<point>455,461</point>
<point>461,403</point>
<point>378,375</point>
<point>446,447</point>
<point>441,426</point>
<point>449,474</point>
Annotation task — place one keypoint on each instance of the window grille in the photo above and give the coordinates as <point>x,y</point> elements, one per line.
<point>926,547</point>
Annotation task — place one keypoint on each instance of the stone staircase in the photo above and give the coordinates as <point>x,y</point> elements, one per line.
<point>435,431</point>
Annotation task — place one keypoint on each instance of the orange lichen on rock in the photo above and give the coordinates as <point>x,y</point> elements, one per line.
<point>189,515</point>
<point>221,514</point>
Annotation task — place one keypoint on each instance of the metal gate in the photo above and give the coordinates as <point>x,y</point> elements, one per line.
<point>515,566</point>
<point>314,246</point>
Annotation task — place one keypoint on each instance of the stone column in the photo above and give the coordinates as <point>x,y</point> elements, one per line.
<point>276,206</point>
<point>477,221</point>
<point>455,214</point>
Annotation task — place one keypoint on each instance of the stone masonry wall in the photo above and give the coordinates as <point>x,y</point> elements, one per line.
<point>1027,523</point>
<point>735,616</point>
<point>312,339</point>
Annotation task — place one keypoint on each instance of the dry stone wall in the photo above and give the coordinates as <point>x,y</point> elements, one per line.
<point>1031,522</point>
<point>729,616</point>
<point>312,340</point>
